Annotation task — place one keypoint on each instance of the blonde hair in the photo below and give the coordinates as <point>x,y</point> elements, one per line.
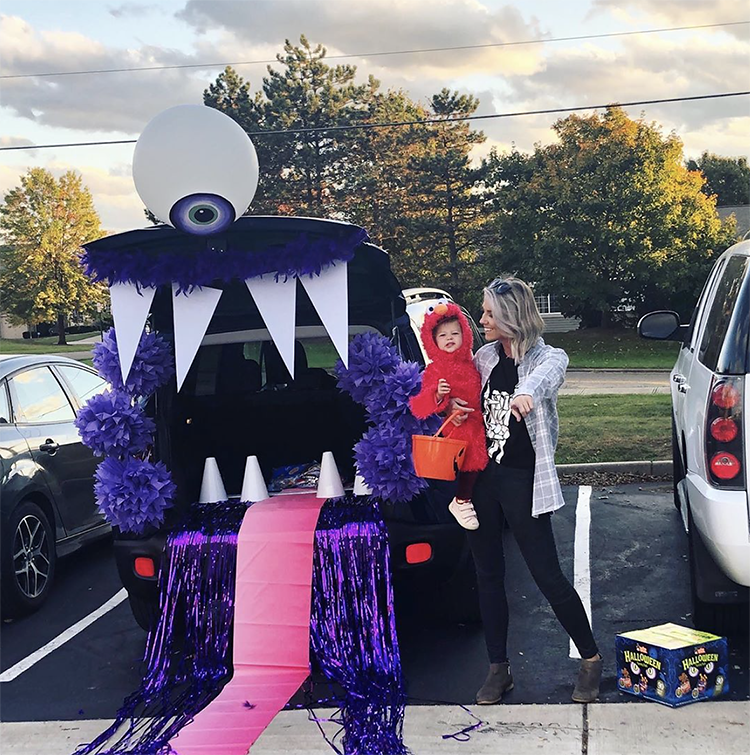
<point>515,312</point>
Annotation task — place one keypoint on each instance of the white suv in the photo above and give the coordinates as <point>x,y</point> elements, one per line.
<point>711,438</point>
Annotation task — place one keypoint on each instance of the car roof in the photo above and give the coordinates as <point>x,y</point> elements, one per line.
<point>12,362</point>
<point>413,295</point>
<point>741,247</point>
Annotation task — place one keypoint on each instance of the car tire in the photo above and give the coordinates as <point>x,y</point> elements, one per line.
<point>144,612</point>
<point>726,619</point>
<point>28,560</point>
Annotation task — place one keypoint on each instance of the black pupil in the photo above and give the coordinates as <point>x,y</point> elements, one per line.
<point>204,215</point>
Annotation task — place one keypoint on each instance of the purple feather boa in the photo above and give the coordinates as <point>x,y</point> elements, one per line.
<point>194,268</point>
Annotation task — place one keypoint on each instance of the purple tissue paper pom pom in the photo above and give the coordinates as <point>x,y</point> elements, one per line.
<point>133,494</point>
<point>371,357</point>
<point>383,457</point>
<point>111,426</point>
<point>391,399</point>
<point>152,367</point>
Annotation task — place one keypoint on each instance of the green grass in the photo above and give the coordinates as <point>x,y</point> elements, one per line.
<point>597,348</point>
<point>614,428</point>
<point>46,345</point>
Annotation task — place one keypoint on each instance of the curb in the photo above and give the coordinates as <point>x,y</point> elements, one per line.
<point>634,467</point>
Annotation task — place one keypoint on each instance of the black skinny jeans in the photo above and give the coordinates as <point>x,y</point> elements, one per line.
<point>506,493</point>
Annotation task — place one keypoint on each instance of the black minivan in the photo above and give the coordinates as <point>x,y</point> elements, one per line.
<point>238,399</point>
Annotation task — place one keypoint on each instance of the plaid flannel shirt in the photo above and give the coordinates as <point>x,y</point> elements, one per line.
<point>540,374</point>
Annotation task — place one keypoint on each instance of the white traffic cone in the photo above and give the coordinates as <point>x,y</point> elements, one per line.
<point>212,486</point>
<point>360,486</point>
<point>253,486</point>
<point>329,482</point>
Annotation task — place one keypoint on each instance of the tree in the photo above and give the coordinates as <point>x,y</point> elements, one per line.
<point>726,177</point>
<point>608,217</point>
<point>44,222</point>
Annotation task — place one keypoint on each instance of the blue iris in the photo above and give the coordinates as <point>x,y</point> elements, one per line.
<point>202,214</point>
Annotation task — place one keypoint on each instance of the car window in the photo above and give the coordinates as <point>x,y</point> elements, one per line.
<point>720,348</point>
<point>39,397</point>
<point>85,384</point>
<point>700,308</point>
<point>4,404</point>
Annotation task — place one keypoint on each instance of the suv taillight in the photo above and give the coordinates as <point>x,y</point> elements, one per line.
<point>724,433</point>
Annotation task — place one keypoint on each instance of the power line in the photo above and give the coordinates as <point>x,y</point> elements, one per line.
<point>423,122</point>
<point>378,54</point>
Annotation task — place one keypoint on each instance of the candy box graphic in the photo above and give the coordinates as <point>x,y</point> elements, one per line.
<point>671,664</point>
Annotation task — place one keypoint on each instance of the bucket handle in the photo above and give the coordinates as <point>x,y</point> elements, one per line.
<point>448,421</point>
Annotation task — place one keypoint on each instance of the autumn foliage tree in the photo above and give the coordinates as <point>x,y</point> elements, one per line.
<point>43,222</point>
<point>607,218</point>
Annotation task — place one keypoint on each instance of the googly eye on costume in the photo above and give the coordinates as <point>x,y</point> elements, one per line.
<point>635,668</point>
<point>651,672</point>
<point>693,671</point>
<point>709,667</point>
<point>195,168</point>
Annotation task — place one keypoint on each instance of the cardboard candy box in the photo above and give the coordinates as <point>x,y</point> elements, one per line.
<point>671,664</point>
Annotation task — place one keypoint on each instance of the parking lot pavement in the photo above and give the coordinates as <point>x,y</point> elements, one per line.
<point>639,577</point>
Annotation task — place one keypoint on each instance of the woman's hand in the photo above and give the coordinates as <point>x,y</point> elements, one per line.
<point>521,405</point>
<point>459,405</point>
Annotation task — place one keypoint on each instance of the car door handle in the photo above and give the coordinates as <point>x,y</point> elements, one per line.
<point>679,379</point>
<point>49,446</point>
<point>683,387</point>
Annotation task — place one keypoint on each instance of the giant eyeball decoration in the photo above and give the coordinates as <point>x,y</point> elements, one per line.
<point>195,168</point>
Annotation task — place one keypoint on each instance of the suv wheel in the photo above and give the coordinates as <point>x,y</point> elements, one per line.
<point>28,560</point>
<point>145,612</point>
<point>458,597</point>
<point>720,618</point>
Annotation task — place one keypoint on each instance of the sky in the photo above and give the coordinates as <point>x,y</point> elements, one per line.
<point>39,36</point>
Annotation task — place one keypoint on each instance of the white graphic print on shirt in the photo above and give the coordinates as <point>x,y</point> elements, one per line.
<point>496,421</point>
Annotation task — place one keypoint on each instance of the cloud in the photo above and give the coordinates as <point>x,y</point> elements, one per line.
<point>120,102</point>
<point>131,9</point>
<point>346,27</point>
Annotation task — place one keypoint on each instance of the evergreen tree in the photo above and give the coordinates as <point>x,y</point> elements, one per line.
<point>726,177</point>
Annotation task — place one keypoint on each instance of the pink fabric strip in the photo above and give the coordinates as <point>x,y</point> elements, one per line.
<point>271,626</point>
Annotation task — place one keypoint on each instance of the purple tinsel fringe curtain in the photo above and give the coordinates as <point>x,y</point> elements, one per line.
<point>353,629</point>
<point>188,657</point>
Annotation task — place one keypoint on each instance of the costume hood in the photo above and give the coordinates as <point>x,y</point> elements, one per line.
<point>439,313</point>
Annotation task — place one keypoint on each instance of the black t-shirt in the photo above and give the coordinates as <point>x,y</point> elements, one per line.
<point>508,441</point>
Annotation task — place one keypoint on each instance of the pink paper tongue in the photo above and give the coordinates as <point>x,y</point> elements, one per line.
<point>271,627</point>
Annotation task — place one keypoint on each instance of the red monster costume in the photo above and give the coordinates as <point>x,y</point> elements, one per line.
<point>459,370</point>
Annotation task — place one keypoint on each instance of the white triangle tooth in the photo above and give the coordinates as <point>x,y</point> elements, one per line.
<point>253,485</point>
<point>277,303</point>
<point>329,482</point>
<point>212,486</point>
<point>192,313</point>
<point>130,307</point>
<point>329,294</point>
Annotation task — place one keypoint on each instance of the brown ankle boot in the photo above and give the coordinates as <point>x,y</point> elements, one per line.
<point>587,685</point>
<point>499,681</point>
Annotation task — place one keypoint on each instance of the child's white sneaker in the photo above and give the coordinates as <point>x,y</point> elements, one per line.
<point>464,513</point>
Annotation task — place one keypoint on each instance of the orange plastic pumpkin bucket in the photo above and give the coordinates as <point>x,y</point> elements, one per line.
<point>438,457</point>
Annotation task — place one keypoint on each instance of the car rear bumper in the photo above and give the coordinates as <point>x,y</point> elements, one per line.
<point>448,551</point>
<point>721,517</point>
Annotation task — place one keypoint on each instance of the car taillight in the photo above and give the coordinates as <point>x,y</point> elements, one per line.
<point>144,567</point>
<point>418,553</point>
<point>724,441</point>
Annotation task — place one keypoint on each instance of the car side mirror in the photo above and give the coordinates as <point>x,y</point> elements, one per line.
<point>662,326</point>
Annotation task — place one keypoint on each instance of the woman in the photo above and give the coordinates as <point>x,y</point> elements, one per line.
<point>520,378</point>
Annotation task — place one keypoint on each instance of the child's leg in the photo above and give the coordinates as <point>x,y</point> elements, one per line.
<point>466,482</point>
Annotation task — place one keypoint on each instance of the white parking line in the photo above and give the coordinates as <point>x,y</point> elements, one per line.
<point>61,639</point>
<point>581,559</point>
